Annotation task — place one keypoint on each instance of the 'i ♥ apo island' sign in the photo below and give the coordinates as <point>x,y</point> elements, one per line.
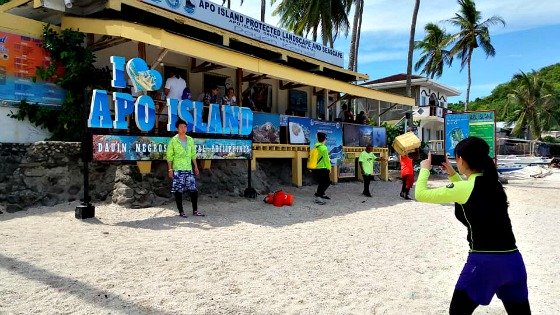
<point>230,121</point>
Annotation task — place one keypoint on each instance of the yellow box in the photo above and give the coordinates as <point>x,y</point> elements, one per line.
<point>406,143</point>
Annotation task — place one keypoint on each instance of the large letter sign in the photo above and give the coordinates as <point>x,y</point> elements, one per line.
<point>225,119</point>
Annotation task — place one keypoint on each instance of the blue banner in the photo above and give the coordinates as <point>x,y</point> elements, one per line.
<point>379,137</point>
<point>456,129</point>
<point>266,128</point>
<point>333,130</point>
<point>135,148</point>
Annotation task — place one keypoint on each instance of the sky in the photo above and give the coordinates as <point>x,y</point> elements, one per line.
<point>529,41</point>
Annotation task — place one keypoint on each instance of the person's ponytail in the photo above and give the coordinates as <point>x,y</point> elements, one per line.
<point>492,182</point>
<point>489,171</point>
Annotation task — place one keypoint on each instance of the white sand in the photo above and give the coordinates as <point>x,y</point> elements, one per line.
<point>354,256</point>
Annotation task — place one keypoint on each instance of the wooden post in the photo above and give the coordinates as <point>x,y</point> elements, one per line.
<point>205,164</point>
<point>297,168</point>
<point>239,86</point>
<point>142,50</point>
<point>384,166</point>
<point>253,164</point>
<point>334,174</point>
<point>326,104</point>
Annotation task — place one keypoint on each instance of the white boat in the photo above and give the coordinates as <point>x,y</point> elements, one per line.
<point>528,160</point>
<point>510,163</point>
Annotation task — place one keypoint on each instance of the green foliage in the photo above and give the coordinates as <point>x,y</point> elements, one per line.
<point>67,50</point>
<point>392,133</point>
<point>328,17</point>
<point>551,139</point>
<point>4,1</point>
<point>499,96</point>
<point>434,54</point>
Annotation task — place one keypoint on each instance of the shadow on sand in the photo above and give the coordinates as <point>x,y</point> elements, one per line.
<point>81,290</point>
<point>229,211</point>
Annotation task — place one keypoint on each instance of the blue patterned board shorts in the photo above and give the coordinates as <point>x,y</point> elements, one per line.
<point>183,181</point>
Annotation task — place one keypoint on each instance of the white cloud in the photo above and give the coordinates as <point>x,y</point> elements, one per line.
<point>394,16</point>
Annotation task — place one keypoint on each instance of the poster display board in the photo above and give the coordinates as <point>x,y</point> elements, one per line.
<point>348,166</point>
<point>362,135</point>
<point>379,137</point>
<point>357,135</point>
<point>333,130</point>
<point>299,130</point>
<point>20,56</point>
<point>459,126</point>
<point>266,128</point>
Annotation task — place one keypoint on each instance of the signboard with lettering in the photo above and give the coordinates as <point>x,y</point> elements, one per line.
<point>221,119</point>
<point>459,126</point>
<point>229,121</point>
<point>137,148</point>
<point>19,58</point>
<point>224,18</point>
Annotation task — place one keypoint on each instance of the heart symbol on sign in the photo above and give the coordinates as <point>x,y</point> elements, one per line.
<point>142,77</point>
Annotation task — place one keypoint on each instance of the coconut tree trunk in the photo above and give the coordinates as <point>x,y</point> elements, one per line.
<point>468,79</point>
<point>263,9</point>
<point>353,42</point>
<point>359,35</point>
<point>411,48</point>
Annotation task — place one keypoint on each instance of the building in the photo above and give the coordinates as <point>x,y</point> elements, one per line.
<point>430,99</point>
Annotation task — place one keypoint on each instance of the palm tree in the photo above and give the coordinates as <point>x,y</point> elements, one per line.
<point>472,34</point>
<point>355,38</point>
<point>434,54</point>
<point>263,7</point>
<point>411,48</point>
<point>531,105</point>
<point>302,17</point>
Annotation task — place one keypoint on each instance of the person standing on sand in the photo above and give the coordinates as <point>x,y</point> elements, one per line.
<point>407,175</point>
<point>181,159</point>
<point>494,264</point>
<point>367,159</point>
<point>323,169</point>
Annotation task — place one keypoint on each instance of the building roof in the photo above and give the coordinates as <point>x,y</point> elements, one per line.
<point>392,78</point>
<point>399,81</point>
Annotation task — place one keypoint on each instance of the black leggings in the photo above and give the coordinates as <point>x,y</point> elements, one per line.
<point>461,304</point>
<point>179,200</point>
<point>324,180</point>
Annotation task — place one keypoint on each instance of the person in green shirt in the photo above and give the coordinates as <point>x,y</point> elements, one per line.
<point>323,169</point>
<point>181,161</point>
<point>367,159</point>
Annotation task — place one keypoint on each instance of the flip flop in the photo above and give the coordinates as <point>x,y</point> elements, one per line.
<point>198,214</point>
<point>182,215</point>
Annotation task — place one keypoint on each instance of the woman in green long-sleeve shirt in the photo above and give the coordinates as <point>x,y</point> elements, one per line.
<point>494,264</point>
<point>181,161</point>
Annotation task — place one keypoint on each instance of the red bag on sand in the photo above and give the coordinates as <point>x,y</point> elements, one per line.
<point>269,198</point>
<point>279,199</point>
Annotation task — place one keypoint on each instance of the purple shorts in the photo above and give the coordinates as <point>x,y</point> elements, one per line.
<point>486,274</point>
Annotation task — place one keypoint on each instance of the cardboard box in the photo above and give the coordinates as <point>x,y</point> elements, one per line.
<point>406,143</point>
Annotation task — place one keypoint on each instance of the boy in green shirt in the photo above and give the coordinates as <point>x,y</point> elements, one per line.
<point>323,169</point>
<point>367,159</point>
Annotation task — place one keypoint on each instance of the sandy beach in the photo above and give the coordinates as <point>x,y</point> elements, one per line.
<point>355,255</point>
